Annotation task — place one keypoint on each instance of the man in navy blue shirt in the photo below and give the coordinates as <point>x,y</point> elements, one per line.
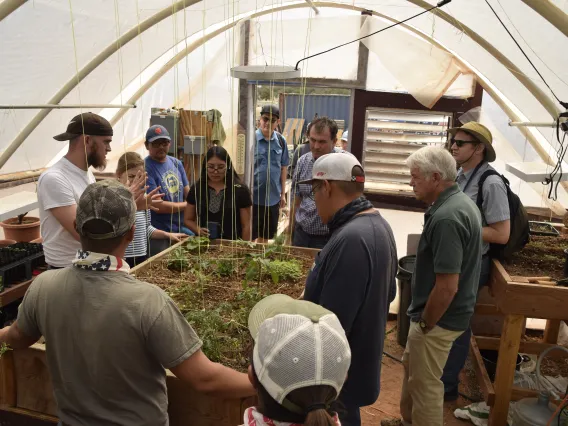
<point>354,275</point>
<point>271,161</point>
<point>167,173</point>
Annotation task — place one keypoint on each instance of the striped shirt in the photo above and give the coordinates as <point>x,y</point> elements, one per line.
<point>307,216</point>
<point>144,231</point>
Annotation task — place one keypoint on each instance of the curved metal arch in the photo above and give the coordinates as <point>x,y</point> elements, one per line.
<point>536,91</point>
<point>9,6</point>
<point>550,12</point>
<point>90,67</point>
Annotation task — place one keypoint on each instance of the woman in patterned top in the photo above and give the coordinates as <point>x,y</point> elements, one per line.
<point>219,205</point>
<point>129,164</point>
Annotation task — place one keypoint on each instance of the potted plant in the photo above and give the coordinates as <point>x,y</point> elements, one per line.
<point>21,228</point>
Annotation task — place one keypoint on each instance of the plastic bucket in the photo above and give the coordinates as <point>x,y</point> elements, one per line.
<point>490,360</point>
<point>404,276</point>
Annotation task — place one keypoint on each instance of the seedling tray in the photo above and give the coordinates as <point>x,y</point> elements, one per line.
<point>24,261</point>
<point>543,229</point>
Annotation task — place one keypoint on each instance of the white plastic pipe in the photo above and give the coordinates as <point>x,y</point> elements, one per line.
<point>531,124</point>
<point>65,106</point>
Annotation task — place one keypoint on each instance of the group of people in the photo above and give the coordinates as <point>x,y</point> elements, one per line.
<point>315,361</point>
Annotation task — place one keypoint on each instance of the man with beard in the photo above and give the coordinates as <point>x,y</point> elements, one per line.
<point>61,186</point>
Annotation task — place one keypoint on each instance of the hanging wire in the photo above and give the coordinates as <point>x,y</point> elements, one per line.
<point>440,4</point>
<point>564,104</point>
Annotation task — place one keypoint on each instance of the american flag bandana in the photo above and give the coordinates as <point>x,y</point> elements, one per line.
<point>92,261</point>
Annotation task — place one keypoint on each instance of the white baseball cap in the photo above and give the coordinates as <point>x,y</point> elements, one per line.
<point>335,166</point>
<point>345,136</point>
<point>297,344</point>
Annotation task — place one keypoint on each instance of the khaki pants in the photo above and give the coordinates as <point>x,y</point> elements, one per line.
<point>422,399</point>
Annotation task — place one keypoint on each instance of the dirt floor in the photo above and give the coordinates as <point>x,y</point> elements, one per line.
<point>392,374</point>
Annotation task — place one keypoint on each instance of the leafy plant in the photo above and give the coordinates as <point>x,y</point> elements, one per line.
<point>178,260</point>
<point>3,349</point>
<point>196,244</point>
<point>256,266</point>
<point>243,243</point>
<point>225,267</point>
<point>211,328</point>
<point>284,270</point>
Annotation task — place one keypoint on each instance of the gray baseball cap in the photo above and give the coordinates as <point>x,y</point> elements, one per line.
<point>109,201</point>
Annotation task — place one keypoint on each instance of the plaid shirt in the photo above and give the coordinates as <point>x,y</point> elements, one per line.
<point>307,216</point>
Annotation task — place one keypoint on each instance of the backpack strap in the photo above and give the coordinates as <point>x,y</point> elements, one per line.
<point>482,179</point>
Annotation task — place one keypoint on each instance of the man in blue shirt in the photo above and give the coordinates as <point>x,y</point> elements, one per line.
<point>271,161</point>
<point>167,173</point>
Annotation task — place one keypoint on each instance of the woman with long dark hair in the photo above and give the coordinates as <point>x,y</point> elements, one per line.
<point>219,205</point>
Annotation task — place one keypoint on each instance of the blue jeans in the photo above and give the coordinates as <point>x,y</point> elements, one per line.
<point>460,349</point>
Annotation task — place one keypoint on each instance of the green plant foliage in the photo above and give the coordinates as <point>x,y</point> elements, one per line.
<point>178,260</point>
<point>225,267</point>
<point>198,244</point>
<point>3,349</point>
<point>285,270</point>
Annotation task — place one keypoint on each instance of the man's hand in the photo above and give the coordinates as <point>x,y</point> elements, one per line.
<point>149,201</point>
<point>282,201</point>
<point>203,232</point>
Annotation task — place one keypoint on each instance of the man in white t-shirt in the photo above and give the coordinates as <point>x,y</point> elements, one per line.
<point>61,186</point>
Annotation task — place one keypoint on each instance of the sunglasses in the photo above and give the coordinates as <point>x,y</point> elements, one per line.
<point>213,168</point>
<point>460,143</point>
<point>265,119</point>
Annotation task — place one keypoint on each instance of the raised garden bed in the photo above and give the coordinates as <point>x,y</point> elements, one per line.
<point>215,286</point>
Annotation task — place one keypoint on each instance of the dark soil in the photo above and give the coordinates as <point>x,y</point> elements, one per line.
<point>541,257</point>
<point>212,290</point>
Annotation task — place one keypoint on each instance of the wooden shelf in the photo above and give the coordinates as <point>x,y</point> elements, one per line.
<point>14,292</point>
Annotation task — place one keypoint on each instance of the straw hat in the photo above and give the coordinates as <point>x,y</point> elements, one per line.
<point>482,134</point>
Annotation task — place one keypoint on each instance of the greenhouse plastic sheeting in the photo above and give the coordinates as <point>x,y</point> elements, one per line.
<point>42,52</point>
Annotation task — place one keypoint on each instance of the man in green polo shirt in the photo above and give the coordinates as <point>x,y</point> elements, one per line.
<point>444,285</point>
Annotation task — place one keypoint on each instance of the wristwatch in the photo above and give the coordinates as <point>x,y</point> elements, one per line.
<point>423,326</point>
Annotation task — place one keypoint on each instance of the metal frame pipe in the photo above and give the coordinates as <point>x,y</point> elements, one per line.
<point>65,106</point>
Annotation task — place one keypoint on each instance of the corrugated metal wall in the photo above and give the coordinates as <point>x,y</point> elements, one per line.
<point>300,106</point>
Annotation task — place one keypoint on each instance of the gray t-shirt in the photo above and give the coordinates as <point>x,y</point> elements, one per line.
<point>109,338</point>
<point>495,207</point>
<point>450,244</point>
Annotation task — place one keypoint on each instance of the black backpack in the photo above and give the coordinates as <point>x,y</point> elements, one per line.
<point>519,220</point>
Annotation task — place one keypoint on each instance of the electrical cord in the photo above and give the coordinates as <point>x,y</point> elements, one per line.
<point>469,398</point>
<point>440,4</point>
<point>564,104</point>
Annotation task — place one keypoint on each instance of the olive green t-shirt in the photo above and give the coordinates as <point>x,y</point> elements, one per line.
<point>450,244</point>
<point>109,339</point>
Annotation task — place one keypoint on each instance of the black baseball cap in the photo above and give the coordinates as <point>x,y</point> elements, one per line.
<point>87,123</point>
<point>270,109</point>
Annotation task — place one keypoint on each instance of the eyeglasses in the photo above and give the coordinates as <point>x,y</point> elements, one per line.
<point>159,144</point>
<point>220,168</point>
<point>265,119</point>
<point>315,188</point>
<point>460,143</point>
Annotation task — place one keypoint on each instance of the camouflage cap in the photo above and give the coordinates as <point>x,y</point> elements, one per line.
<point>109,201</point>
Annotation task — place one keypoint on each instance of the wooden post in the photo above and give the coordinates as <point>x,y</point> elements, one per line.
<point>551,331</point>
<point>505,372</point>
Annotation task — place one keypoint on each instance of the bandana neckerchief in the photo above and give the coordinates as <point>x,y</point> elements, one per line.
<point>345,214</point>
<point>254,418</point>
<point>92,261</point>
